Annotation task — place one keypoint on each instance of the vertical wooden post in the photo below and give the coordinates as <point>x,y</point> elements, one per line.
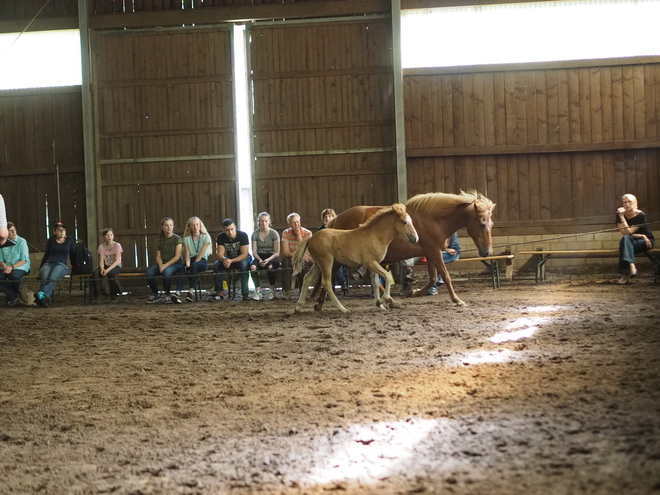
<point>399,116</point>
<point>91,185</point>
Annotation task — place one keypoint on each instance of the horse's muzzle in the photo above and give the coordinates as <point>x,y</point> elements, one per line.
<point>485,252</point>
<point>413,237</point>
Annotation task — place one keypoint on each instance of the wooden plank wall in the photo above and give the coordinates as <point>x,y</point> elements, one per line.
<point>41,162</point>
<point>323,118</point>
<point>165,116</point>
<point>545,145</point>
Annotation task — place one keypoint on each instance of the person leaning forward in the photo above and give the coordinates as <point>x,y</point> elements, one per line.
<point>233,253</point>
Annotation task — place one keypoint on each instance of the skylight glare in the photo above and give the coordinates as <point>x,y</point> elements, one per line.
<point>40,60</point>
<point>529,32</point>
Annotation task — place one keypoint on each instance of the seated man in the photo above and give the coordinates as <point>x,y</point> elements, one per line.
<point>291,239</point>
<point>233,253</point>
<point>14,264</point>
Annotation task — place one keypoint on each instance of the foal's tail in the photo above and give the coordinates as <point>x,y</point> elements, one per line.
<point>298,256</point>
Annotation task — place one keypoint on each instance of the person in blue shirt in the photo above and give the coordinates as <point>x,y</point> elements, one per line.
<point>452,253</point>
<point>53,268</point>
<point>14,265</point>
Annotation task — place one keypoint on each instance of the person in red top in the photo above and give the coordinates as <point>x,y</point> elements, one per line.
<point>291,239</point>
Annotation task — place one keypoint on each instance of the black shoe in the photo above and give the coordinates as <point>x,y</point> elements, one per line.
<point>12,301</point>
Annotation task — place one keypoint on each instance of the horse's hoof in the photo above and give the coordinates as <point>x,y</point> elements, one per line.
<point>394,304</point>
<point>317,308</point>
<point>297,310</point>
<point>460,303</point>
<point>416,293</point>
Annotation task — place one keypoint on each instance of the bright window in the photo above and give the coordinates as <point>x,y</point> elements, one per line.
<point>529,32</point>
<point>40,60</point>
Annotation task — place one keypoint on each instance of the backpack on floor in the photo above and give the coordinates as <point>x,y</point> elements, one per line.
<point>82,263</point>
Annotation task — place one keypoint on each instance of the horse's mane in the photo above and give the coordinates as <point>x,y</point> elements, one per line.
<point>443,204</point>
<point>396,208</point>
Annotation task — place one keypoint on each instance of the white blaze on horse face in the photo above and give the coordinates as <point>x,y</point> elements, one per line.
<point>410,230</point>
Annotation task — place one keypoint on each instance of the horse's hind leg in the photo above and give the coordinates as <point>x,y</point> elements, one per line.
<point>309,279</point>
<point>326,282</point>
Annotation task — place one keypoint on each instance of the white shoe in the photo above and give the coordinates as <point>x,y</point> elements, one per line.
<point>269,295</point>
<point>255,296</point>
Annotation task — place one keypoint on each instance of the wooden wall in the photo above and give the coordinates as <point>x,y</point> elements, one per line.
<point>323,119</point>
<point>41,162</point>
<point>165,116</point>
<point>545,145</point>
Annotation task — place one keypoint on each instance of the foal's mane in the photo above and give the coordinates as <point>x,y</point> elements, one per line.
<point>443,204</point>
<point>396,209</point>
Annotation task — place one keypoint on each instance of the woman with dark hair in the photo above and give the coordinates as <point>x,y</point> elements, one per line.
<point>53,268</point>
<point>109,253</point>
<point>168,262</point>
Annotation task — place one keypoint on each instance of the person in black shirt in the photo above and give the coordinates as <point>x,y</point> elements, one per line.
<point>637,236</point>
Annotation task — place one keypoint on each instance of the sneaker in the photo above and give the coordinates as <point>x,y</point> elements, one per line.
<point>433,291</point>
<point>176,298</point>
<point>168,300</point>
<point>217,297</point>
<point>440,281</point>
<point>190,297</point>
<point>41,299</point>
<point>155,298</point>
<point>286,295</point>
<point>270,295</point>
<point>113,298</point>
<point>255,296</point>
<point>12,301</point>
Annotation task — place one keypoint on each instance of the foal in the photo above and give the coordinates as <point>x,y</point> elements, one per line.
<point>365,246</point>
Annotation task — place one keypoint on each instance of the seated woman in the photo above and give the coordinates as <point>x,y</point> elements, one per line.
<point>14,265</point>
<point>266,250</point>
<point>53,268</point>
<point>637,237</point>
<point>196,250</point>
<point>168,262</point>
<point>109,253</point>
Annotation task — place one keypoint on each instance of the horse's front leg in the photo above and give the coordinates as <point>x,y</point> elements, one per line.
<point>442,268</point>
<point>433,276</point>
<point>376,270</point>
<point>326,282</point>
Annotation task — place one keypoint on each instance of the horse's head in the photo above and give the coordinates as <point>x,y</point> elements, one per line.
<point>404,224</point>
<point>480,223</point>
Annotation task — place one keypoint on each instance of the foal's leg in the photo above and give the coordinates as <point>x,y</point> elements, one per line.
<point>326,282</point>
<point>375,270</point>
<point>309,278</point>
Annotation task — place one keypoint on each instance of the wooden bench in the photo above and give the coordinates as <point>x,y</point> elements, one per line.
<point>542,255</point>
<point>491,262</point>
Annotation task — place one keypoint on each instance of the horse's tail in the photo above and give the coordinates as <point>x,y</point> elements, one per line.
<point>298,256</point>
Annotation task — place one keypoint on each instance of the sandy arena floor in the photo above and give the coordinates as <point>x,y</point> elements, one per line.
<point>550,389</point>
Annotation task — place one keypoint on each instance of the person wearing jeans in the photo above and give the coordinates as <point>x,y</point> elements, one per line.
<point>233,253</point>
<point>637,237</point>
<point>53,268</point>
<point>14,265</point>
<point>168,262</point>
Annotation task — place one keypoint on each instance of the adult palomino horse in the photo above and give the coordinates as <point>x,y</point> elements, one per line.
<point>436,217</point>
<point>365,245</point>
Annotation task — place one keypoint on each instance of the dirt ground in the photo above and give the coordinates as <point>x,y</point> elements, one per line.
<point>528,389</point>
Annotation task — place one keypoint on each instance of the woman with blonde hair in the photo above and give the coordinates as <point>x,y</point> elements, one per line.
<point>196,250</point>
<point>637,237</point>
<point>266,251</point>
